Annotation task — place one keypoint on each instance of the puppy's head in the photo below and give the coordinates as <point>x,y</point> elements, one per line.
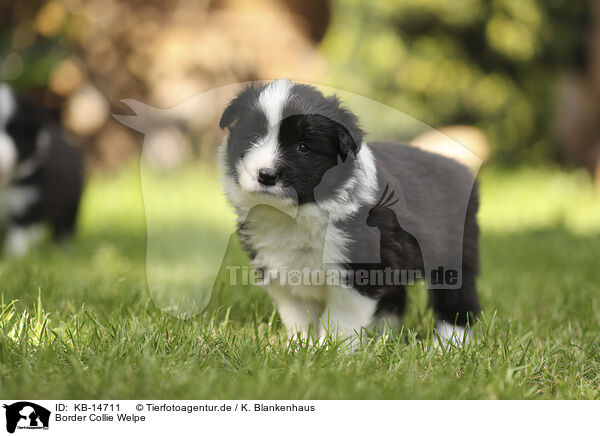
<point>284,137</point>
<point>20,125</point>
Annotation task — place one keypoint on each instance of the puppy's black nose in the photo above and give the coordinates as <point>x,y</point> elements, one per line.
<point>267,176</point>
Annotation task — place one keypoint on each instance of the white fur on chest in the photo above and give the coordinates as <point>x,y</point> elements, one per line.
<point>284,244</point>
<point>288,237</point>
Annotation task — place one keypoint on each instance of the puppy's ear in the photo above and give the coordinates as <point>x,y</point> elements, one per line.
<point>235,108</point>
<point>231,114</point>
<point>350,135</point>
<point>347,142</point>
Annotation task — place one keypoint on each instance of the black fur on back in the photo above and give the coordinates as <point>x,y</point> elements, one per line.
<point>435,203</point>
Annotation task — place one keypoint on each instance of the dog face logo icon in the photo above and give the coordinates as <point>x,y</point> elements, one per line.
<point>26,415</point>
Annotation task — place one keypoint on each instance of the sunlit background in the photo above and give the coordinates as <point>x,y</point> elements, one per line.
<point>523,73</point>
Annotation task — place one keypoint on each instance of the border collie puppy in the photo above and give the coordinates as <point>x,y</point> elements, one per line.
<point>41,176</point>
<point>313,197</point>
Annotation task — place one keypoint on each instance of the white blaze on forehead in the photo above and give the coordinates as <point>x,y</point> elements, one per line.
<point>273,98</point>
<point>7,104</point>
<point>263,154</point>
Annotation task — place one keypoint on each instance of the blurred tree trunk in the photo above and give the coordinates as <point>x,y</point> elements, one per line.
<point>579,104</point>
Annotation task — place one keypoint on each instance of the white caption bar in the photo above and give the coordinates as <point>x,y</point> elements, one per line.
<point>250,417</point>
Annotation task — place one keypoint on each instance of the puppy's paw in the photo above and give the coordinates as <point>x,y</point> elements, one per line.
<point>447,334</point>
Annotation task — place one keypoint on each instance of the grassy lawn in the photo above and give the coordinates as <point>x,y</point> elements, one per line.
<point>77,321</point>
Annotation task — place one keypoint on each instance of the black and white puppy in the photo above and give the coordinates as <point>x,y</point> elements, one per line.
<point>41,175</point>
<point>312,196</point>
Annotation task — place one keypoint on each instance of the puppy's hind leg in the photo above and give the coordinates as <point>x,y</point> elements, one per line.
<point>455,308</point>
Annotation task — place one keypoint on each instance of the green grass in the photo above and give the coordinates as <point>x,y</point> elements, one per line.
<point>77,321</point>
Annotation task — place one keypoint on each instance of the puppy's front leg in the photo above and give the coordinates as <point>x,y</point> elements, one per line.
<point>296,313</point>
<point>346,313</point>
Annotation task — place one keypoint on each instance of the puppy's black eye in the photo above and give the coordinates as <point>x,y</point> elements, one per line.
<point>303,148</point>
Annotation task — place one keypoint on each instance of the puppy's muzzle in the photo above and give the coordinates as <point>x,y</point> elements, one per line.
<point>267,176</point>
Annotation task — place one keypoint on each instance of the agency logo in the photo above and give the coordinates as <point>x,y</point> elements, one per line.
<point>26,415</point>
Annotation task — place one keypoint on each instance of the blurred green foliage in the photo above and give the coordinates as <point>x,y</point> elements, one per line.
<point>30,47</point>
<point>493,64</point>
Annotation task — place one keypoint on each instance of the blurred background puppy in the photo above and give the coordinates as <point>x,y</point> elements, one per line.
<point>41,175</point>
